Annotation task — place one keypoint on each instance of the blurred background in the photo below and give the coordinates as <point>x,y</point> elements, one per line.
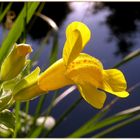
<point>115,31</point>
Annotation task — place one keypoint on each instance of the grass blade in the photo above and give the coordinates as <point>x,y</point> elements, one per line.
<point>119,117</point>
<point>117,126</point>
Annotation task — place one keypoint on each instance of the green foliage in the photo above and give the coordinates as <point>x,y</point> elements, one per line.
<point>118,125</point>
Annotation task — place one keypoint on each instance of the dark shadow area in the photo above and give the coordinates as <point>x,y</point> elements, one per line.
<point>123,23</point>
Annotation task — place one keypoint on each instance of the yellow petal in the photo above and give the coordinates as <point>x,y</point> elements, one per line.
<point>115,83</point>
<point>54,78</point>
<point>93,96</point>
<point>85,68</point>
<point>77,36</point>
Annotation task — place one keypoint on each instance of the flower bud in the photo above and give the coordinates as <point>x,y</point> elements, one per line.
<point>15,61</point>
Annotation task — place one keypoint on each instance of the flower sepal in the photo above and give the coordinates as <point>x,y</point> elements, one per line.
<point>28,87</point>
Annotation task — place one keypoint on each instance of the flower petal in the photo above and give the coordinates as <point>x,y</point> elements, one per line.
<point>115,83</point>
<point>77,35</point>
<point>54,78</point>
<point>85,68</point>
<point>94,97</point>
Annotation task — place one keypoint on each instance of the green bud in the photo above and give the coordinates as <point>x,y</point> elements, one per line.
<point>15,61</point>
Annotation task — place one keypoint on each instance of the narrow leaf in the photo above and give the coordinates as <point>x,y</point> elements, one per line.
<point>117,126</point>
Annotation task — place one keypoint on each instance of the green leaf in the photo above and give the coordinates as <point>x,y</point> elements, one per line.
<point>16,30</point>
<point>7,123</point>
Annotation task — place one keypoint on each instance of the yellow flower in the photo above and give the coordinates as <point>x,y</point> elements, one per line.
<point>83,70</point>
<point>76,68</point>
